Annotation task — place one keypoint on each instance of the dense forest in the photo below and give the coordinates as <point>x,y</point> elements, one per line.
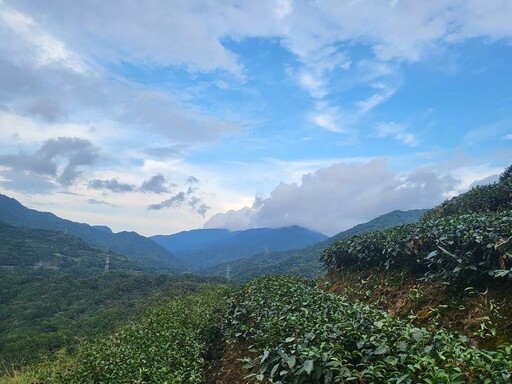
<point>56,289</point>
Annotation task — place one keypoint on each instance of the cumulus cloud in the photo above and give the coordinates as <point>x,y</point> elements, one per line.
<point>112,185</point>
<point>156,184</point>
<point>343,195</point>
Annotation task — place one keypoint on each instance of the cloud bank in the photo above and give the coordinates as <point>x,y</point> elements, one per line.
<point>340,196</point>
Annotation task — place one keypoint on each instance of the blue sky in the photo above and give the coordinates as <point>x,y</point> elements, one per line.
<point>166,116</point>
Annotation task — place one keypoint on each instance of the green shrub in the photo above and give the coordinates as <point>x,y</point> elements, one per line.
<point>301,334</point>
<point>167,346</point>
<point>470,248</point>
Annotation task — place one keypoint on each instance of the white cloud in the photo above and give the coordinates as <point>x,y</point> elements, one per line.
<point>397,131</point>
<point>383,94</point>
<point>46,48</point>
<point>313,84</point>
<point>283,8</point>
<point>342,195</point>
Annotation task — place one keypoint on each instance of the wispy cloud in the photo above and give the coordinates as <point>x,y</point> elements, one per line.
<point>397,131</point>
<point>112,185</point>
<point>100,202</point>
<point>156,184</point>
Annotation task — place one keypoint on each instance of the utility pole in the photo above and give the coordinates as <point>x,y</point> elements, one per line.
<point>107,265</point>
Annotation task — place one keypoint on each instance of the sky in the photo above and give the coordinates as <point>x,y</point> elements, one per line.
<point>163,116</point>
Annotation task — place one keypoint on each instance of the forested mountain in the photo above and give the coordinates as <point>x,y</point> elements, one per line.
<point>305,261</point>
<point>204,247</point>
<point>25,249</point>
<point>56,288</point>
<point>129,244</point>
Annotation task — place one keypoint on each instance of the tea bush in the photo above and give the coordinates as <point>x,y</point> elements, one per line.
<point>467,248</point>
<point>301,334</point>
<point>167,346</point>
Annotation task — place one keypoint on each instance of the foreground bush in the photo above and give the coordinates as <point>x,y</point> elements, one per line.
<point>467,248</point>
<point>167,346</point>
<point>301,334</point>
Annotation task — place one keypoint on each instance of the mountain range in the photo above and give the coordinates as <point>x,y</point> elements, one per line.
<point>241,254</point>
<point>25,250</point>
<point>207,247</point>
<point>129,244</point>
<point>305,261</point>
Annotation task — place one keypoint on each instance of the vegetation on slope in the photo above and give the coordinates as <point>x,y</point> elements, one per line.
<point>130,244</point>
<point>42,312</point>
<point>302,334</point>
<point>453,267</point>
<point>465,249</point>
<point>30,249</point>
<point>466,240</point>
<point>169,345</point>
<point>494,197</point>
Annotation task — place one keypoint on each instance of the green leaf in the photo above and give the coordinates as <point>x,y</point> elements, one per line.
<point>291,361</point>
<point>381,349</point>
<point>308,366</point>
<point>501,272</point>
<point>417,334</point>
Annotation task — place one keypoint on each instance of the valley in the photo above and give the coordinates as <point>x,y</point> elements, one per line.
<point>416,296</point>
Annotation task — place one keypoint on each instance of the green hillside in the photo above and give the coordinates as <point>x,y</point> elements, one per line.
<point>276,329</point>
<point>129,244</point>
<point>43,312</point>
<point>305,261</point>
<point>31,249</point>
<point>54,290</point>
<point>406,304</point>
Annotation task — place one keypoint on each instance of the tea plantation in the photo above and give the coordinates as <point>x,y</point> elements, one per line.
<point>279,329</point>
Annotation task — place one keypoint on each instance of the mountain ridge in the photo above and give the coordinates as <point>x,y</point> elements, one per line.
<point>129,244</point>
<point>305,261</point>
<point>204,247</point>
